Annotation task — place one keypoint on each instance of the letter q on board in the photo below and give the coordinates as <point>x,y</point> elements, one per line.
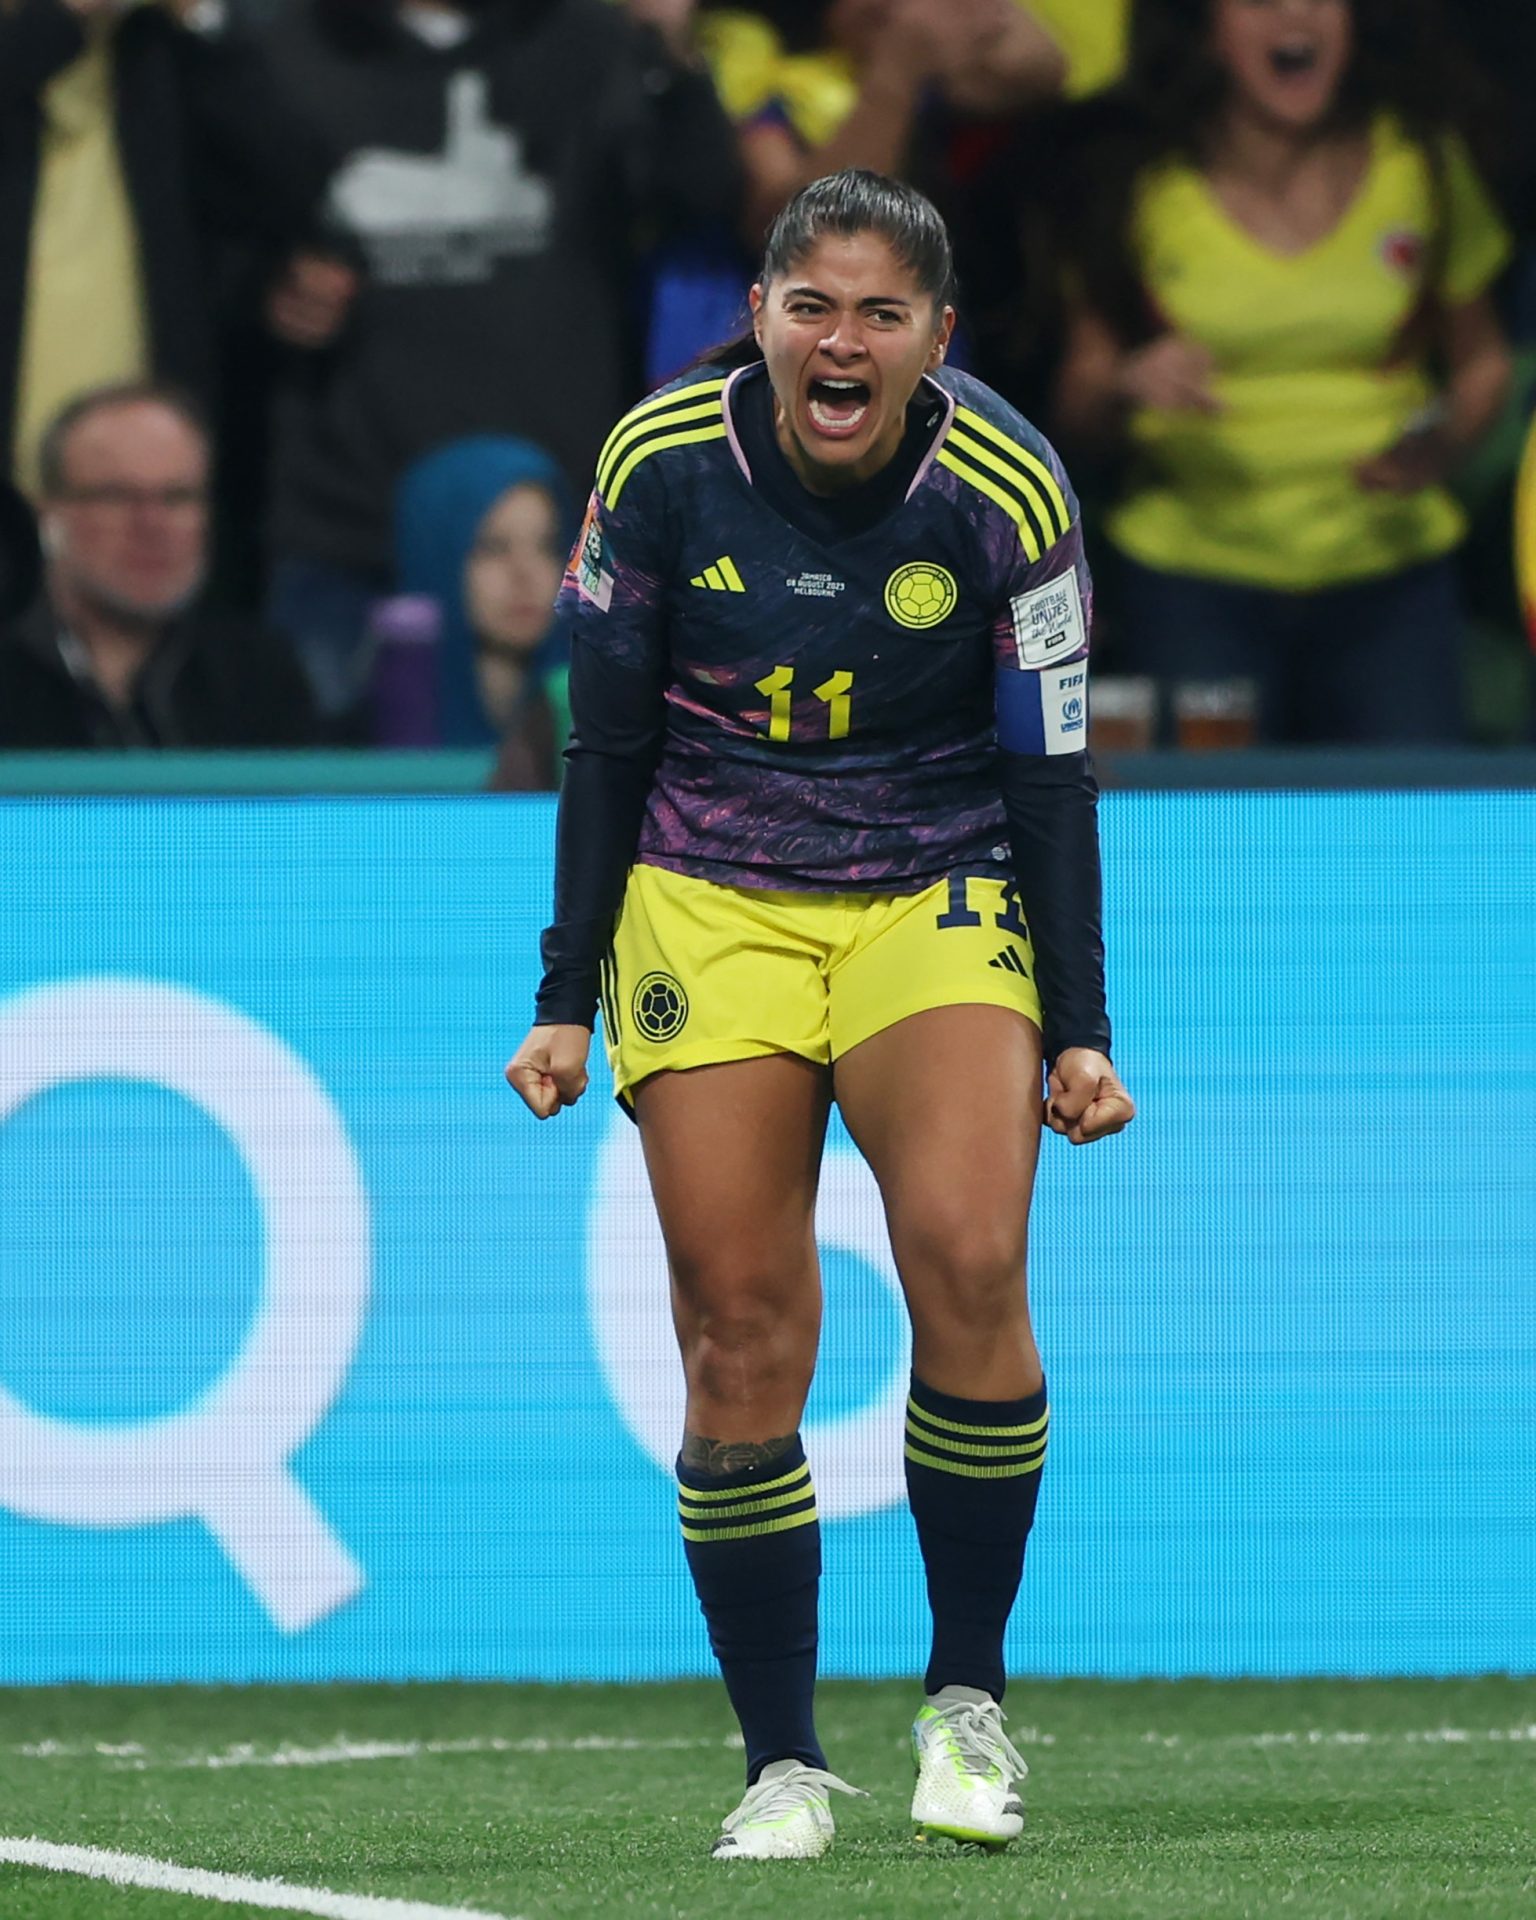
<point>224,1456</point>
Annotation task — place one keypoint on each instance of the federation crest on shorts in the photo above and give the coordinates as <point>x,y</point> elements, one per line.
<point>660,1007</point>
<point>920,594</point>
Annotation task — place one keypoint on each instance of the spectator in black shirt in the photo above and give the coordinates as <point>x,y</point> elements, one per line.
<point>116,651</point>
<point>503,163</point>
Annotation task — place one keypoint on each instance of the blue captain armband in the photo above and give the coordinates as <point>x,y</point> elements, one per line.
<point>1045,711</point>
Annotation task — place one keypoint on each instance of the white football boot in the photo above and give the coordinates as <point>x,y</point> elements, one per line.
<point>968,1771</point>
<point>785,1815</point>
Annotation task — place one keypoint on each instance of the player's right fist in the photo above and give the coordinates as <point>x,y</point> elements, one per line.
<point>549,1070</point>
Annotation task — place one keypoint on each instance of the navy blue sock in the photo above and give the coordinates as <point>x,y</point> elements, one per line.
<point>754,1550</point>
<point>973,1476</point>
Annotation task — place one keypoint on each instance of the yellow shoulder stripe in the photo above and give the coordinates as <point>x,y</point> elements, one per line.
<point>651,413</point>
<point>1028,538</point>
<point>1028,494</point>
<point>691,437</point>
<point>1030,464</point>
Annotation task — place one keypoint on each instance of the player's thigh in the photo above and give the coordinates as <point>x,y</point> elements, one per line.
<point>733,1152</point>
<point>945,1106</point>
<point>961,942</point>
<point>700,975</point>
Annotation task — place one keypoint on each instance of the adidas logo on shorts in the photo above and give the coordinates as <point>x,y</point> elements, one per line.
<point>1010,962</point>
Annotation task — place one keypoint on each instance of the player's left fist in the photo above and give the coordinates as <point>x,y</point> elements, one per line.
<point>549,1070</point>
<point>1086,1099</point>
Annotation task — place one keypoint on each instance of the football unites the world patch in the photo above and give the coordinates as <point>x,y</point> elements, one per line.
<point>920,594</point>
<point>1048,622</point>
<point>660,1007</point>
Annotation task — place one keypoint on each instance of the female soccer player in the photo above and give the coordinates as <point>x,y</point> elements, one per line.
<point>829,623</point>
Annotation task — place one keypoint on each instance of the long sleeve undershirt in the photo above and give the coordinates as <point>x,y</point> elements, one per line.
<point>618,732</point>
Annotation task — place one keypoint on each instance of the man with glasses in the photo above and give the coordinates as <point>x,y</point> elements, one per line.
<point>117,651</point>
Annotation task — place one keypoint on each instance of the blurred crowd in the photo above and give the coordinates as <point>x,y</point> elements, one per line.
<point>315,313</point>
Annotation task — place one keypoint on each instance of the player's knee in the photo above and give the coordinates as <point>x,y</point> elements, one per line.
<point>743,1344</point>
<point>966,1269</point>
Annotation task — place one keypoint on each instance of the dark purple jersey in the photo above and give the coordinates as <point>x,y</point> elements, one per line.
<point>834,710</point>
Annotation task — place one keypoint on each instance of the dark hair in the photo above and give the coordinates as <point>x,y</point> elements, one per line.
<point>120,393</point>
<point>1400,62</point>
<point>843,205</point>
<point>1174,89</point>
<point>857,201</point>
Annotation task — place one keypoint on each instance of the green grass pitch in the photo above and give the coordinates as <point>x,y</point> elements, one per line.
<point>1302,1801</point>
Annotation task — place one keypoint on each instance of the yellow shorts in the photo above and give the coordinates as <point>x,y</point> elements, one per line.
<point>700,973</point>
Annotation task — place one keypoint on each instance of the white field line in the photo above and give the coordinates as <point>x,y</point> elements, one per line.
<point>339,1753</point>
<point>137,1870</point>
<point>133,1757</point>
<point>1335,1737</point>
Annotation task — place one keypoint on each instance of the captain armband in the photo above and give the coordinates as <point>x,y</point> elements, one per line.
<point>1044,712</point>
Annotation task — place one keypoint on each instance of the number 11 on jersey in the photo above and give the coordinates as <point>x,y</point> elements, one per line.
<point>836,692</point>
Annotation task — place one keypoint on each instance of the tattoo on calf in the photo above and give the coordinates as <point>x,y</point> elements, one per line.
<point>720,1457</point>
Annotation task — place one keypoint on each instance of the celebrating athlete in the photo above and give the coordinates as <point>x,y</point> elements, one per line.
<point>829,831</point>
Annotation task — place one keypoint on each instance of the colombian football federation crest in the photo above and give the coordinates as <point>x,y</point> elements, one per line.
<point>920,594</point>
<point>660,1007</point>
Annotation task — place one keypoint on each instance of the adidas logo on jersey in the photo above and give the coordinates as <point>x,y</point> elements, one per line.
<point>722,577</point>
<point>1010,962</point>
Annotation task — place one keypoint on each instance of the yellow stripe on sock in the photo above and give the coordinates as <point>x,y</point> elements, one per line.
<point>751,1492</point>
<point>967,1448</point>
<point>690,1511</point>
<point>957,1426</point>
<point>1016,1472</point>
<point>746,1533</point>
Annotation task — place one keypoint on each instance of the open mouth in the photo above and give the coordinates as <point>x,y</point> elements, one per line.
<point>1295,58</point>
<point>837,407</point>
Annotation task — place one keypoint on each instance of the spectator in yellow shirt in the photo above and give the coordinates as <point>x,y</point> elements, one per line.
<point>1285,324</point>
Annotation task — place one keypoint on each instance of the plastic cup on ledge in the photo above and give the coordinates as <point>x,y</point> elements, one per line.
<point>404,634</point>
<point>1122,713</point>
<point>1215,716</point>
